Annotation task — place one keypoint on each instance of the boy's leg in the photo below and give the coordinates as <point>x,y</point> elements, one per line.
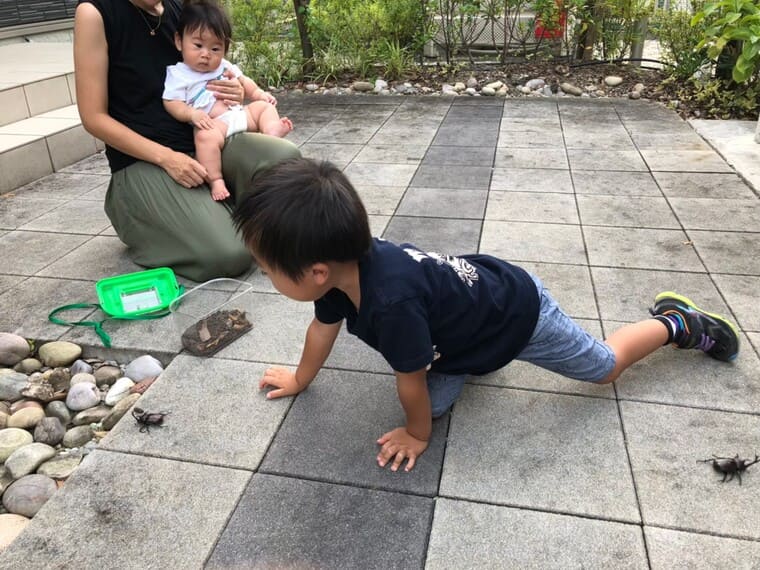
<point>208,151</point>
<point>444,389</point>
<point>264,118</point>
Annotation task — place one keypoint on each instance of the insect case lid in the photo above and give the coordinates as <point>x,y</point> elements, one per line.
<point>137,293</point>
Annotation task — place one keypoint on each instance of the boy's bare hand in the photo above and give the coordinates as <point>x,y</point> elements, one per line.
<point>201,120</point>
<point>282,380</point>
<point>268,97</point>
<point>400,444</point>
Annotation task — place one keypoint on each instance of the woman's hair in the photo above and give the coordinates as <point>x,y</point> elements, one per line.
<point>205,15</point>
<point>300,212</point>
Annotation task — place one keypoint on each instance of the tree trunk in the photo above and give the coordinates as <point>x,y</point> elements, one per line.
<point>301,6</point>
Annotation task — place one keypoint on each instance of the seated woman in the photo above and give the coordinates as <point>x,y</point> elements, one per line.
<point>157,200</point>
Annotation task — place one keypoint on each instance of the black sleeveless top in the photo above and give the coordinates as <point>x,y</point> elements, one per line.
<point>136,71</point>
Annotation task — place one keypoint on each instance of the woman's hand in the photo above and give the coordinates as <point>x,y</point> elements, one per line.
<point>184,169</point>
<point>230,91</point>
<point>201,120</point>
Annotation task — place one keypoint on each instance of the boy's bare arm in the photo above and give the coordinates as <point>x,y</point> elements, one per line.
<point>184,113</point>
<point>255,93</point>
<point>320,338</point>
<point>411,441</point>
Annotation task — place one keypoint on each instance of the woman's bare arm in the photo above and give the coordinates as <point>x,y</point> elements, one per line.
<point>91,65</point>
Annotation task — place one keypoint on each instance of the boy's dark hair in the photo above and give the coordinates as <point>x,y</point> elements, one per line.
<point>301,212</point>
<point>205,15</point>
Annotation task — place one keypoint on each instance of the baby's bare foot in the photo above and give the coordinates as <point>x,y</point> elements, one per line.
<point>282,128</point>
<point>219,190</point>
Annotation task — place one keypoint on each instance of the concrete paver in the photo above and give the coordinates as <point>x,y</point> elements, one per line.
<point>608,201</point>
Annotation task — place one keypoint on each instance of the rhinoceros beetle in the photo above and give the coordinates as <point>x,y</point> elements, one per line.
<point>730,466</point>
<point>148,419</point>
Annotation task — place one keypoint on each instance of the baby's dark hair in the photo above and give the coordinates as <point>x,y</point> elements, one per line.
<point>301,212</point>
<point>205,15</point>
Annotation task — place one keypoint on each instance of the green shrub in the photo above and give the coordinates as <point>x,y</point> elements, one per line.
<point>720,99</point>
<point>678,41</point>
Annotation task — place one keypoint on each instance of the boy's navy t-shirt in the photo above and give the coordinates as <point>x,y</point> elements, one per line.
<point>458,315</point>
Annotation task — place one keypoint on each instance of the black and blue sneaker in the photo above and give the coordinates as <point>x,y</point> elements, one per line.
<point>708,332</point>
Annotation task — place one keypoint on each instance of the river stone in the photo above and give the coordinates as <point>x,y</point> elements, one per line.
<point>26,418</point>
<point>82,377</point>
<point>118,411</point>
<point>58,410</point>
<point>5,479</point>
<point>10,527</point>
<point>77,436</point>
<point>59,353</point>
<point>107,375</point>
<point>80,366</point>
<point>4,420</point>
<point>60,467</point>
<point>28,365</point>
<point>91,415</point>
<point>59,378</point>
<point>11,384</point>
<point>118,391</point>
<point>495,85</point>
<point>534,84</point>
<point>490,91</point>
<point>82,396</point>
<point>571,89</point>
<point>27,495</point>
<point>613,80</point>
<point>12,439</point>
<point>21,404</point>
<point>41,391</point>
<point>459,86</point>
<point>25,460</point>
<point>13,349</point>
<point>143,367</point>
<point>49,431</point>
<point>362,86</point>
<point>5,408</point>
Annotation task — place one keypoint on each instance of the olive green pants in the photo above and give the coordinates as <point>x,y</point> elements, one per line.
<point>166,224</point>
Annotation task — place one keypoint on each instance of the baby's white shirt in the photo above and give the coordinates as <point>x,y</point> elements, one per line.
<point>185,84</point>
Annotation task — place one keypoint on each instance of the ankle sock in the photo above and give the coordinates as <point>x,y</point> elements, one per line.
<point>675,325</point>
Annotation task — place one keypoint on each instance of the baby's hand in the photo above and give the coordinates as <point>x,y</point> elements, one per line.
<point>201,120</point>
<point>283,380</point>
<point>402,445</point>
<point>268,97</point>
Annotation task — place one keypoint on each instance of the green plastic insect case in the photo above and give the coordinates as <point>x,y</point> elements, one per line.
<point>132,294</point>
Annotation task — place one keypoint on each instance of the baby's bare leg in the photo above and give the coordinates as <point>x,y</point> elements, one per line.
<point>264,118</point>
<point>208,150</point>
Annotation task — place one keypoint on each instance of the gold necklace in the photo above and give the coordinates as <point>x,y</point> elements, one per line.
<point>150,29</point>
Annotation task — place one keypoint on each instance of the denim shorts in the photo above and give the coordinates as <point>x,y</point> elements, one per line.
<point>560,345</point>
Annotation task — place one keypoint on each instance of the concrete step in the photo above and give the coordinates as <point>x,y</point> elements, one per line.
<point>40,129</point>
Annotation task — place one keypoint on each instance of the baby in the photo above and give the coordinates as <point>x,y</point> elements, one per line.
<point>203,36</point>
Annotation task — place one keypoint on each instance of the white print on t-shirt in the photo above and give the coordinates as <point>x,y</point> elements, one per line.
<point>463,268</point>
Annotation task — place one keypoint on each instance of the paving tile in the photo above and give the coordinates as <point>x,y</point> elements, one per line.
<point>13,104</point>
<point>97,258</point>
<point>627,294</point>
<point>97,194</point>
<point>339,154</point>
<point>531,180</point>
<point>62,186</point>
<point>95,164</point>
<point>518,374</point>
<point>25,253</point>
<point>541,451</point>
<point>754,338</point>
<point>196,429</point>
<point>641,248</point>
<point>8,281</point>
<point>350,353</point>
<point>443,235</point>
<point>610,138</point>
<point>627,211</point>
<point>331,430</point>
<point>459,155</point>
<point>570,285</point>
<point>443,203</point>
<point>289,523</point>
<point>23,164</point>
<point>76,217</point>
<point>452,176</point>
<point>740,292</point>
<point>48,94</point>
<point>669,141</point>
<point>703,185</point>
<point>690,378</point>
<point>718,214</point>
<point>685,160</point>
<point>381,200</point>
<point>15,210</point>
<point>466,134</point>
<point>473,536</point>
<point>670,549</point>
<point>614,183</point>
<point>273,338</point>
<point>727,252</point>
<point>524,241</point>
<point>418,131</point>
<point>674,490</point>
<point>529,158</point>
<point>626,160</point>
<point>533,136</point>
<point>377,224</point>
<point>184,504</point>
<point>532,207</point>
<point>391,154</point>
<point>39,126</point>
<point>374,174</point>
<point>27,304</point>
<point>528,110</point>
<point>70,146</point>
